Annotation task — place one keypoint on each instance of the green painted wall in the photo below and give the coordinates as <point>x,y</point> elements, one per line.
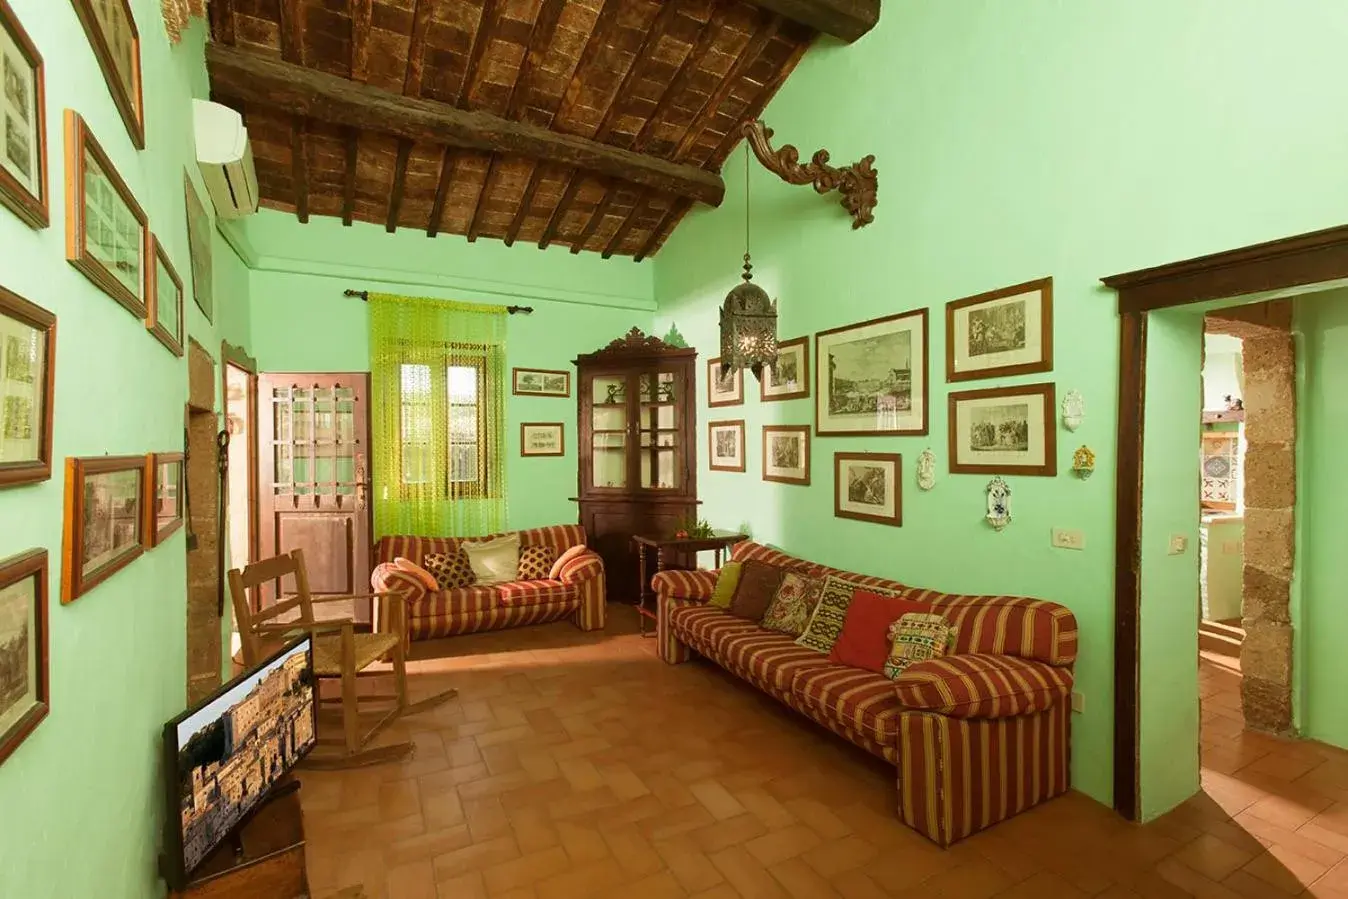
<point>1169,660</point>
<point>1015,141</point>
<point>1322,533</point>
<point>302,322</point>
<point>82,797</point>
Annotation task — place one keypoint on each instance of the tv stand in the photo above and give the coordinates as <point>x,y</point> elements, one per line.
<point>264,855</point>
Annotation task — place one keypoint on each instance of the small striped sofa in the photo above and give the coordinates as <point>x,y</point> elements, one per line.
<point>577,594</point>
<point>978,736</point>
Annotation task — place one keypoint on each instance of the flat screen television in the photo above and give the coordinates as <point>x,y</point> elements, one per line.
<point>226,753</point>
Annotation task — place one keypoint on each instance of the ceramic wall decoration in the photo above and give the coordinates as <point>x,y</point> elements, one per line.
<point>1083,462</point>
<point>999,503</point>
<point>926,469</point>
<point>1073,410</point>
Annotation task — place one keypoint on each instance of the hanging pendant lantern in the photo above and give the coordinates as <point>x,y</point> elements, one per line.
<point>749,316</point>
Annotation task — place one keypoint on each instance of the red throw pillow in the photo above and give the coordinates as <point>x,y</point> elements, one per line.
<point>864,642</point>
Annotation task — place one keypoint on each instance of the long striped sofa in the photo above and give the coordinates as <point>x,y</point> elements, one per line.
<point>576,594</point>
<point>977,736</point>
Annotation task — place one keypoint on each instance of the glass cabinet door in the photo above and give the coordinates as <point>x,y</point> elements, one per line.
<point>609,425</point>
<point>660,446</point>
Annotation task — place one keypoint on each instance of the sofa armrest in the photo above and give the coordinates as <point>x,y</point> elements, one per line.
<point>586,566</point>
<point>983,686</point>
<point>388,578</point>
<point>688,586</point>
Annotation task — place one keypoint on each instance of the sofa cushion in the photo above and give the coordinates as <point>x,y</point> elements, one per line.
<point>419,574</point>
<point>826,623</point>
<point>495,561</point>
<point>860,701</point>
<point>865,641</point>
<point>793,604</point>
<point>533,592</point>
<point>450,570</point>
<point>705,627</point>
<point>574,552</point>
<point>757,585</point>
<point>767,659</point>
<point>726,582</point>
<point>536,563</point>
<point>982,686</point>
<point>917,637</point>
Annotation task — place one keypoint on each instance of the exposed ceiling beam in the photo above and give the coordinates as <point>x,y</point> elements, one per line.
<point>299,166</point>
<point>395,200</point>
<point>845,19</point>
<point>349,180</point>
<point>361,14</point>
<point>706,38</point>
<point>625,228</point>
<point>712,104</point>
<point>658,233</point>
<point>596,219</point>
<point>254,78</point>
<point>448,162</point>
<point>559,211</point>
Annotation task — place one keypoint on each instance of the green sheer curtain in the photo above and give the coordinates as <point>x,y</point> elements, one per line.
<point>437,412</point>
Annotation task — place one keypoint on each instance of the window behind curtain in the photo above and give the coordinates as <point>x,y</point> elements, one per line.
<point>458,452</point>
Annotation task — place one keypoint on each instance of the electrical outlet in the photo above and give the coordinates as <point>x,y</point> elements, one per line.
<point>1178,544</point>
<point>1078,702</point>
<point>1065,539</point>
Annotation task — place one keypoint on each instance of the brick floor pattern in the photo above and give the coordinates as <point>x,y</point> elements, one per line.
<point>579,765</point>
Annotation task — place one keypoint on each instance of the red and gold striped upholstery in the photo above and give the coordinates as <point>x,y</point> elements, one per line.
<point>578,593</point>
<point>688,585</point>
<point>859,700</point>
<point>960,775</point>
<point>769,660</point>
<point>982,686</point>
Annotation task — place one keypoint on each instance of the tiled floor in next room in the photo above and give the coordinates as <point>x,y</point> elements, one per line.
<point>578,765</point>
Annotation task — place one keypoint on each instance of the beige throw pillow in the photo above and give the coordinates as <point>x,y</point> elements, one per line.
<point>495,561</point>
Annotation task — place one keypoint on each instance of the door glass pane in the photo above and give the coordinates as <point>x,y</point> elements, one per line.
<point>283,470</point>
<point>325,472</point>
<point>346,421</point>
<point>282,419</point>
<point>610,460</point>
<point>303,420</point>
<point>659,468</point>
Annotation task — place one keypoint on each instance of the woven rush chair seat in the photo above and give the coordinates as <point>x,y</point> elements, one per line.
<point>370,648</point>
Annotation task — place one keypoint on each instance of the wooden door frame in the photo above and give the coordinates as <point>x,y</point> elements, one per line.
<point>1313,258</point>
<point>239,358</point>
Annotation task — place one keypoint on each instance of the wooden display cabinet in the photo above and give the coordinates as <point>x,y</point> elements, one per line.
<point>638,448</point>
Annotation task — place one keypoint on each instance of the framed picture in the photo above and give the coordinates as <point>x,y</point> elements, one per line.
<point>24,695</point>
<point>27,376</point>
<point>104,520</point>
<point>867,487</point>
<point>164,501</point>
<point>199,250</point>
<point>23,113</point>
<point>1004,430</point>
<point>164,317</point>
<point>1002,332</point>
<point>872,377</point>
<point>786,454</point>
<point>723,391</point>
<point>542,438</point>
<point>107,236</point>
<point>540,382</point>
<point>112,33</point>
<point>727,445</point>
<point>789,379</point>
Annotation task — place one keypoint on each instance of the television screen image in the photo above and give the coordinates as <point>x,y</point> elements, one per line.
<point>225,754</point>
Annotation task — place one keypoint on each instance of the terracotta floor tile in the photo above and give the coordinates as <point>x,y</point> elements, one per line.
<point>415,880</point>
<point>749,878</point>
<point>779,845</point>
<point>464,886</point>
<point>525,870</point>
<point>717,799</point>
<point>839,855</point>
<point>475,857</point>
<point>1286,869</point>
<point>1212,857</point>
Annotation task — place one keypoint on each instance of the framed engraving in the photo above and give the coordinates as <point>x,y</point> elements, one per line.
<point>1004,430</point>
<point>542,438</point>
<point>199,250</point>
<point>789,379</point>
<point>104,521</point>
<point>786,454</point>
<point>867,487</point>
<point>164,317</point>
<point>1000,333</point>
<point>872,377</point>
<point>112,33</point>
<point>164,496</point>
<point>23,118</point>
<point>540,382</point>
<point>727,445</point>
<point>723,391</point>
<point>27,376</point>
<point>25,697</point>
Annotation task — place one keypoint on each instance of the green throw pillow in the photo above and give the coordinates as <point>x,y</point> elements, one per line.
<point>726,583</point>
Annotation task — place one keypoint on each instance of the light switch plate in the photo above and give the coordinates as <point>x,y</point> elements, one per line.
<point>1065,539</point>
<point>1078,702</point>
<point>1178,544</point>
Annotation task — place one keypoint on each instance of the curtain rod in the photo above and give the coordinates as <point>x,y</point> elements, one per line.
<point>513,310</point>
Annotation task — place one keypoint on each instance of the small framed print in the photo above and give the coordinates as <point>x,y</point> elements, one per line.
<point>789,379</point>
<point>786,454</point>
<point>107,235</point>
<point>727,445</point>
<point>23,116</point>
<point>542,438</point>
<point>164,501</point>
<point>867,487</point>
<point>164,317</point>
<point>999,333</point>
<point>104,520</point>
<point>540,382</point>
<point>1004,430</point>
<point>27,376</point>
<point>25,697</point>
<point>112,33</point>
<point>872,377</point>
<point>199,250</point>
<point>722,391</point>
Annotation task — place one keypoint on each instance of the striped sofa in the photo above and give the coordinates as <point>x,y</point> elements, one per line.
<point>577,594</point>
<point>976,737</point>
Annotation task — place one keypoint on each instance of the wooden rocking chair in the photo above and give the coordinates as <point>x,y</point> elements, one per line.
<point>339,653</point>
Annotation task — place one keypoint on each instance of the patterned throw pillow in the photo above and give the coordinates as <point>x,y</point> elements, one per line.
<point>450,570</point>
<point>793,604</point>
<point>536,562</point>
<point>726,582</point>
<point>917,637</point>
<point>826,623</point>
<point>758,585</point>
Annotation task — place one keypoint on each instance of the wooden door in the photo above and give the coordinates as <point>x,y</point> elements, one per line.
<point>314,455</point>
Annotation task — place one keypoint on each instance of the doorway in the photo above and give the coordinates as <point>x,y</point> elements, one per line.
<point>204,584</point>
<point>239,389</point>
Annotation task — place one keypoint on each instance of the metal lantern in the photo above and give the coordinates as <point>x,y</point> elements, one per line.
<point>748,327</point>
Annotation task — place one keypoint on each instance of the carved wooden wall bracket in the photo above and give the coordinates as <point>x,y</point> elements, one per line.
<point>857,182</point>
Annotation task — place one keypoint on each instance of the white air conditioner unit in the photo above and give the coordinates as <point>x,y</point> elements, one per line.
<point>225,159</point>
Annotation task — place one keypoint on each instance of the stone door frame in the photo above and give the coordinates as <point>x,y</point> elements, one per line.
<point>1280,265</point>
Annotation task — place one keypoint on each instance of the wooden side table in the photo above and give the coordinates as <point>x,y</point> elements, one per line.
<point>667,549</point>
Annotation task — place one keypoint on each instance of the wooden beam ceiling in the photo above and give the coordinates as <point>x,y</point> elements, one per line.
<point>304,92</point>
<point>844,19</point>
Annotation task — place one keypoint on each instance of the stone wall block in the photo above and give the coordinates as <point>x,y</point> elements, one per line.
<point>1267,652</point>
<point>1270,408</point>
<point>1265,597</point>
<point>1267,705</point>
<point>1269,540</point>
<point>1270,476</point>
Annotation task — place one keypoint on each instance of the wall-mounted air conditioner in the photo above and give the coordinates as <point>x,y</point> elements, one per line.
<point>225,159</point>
